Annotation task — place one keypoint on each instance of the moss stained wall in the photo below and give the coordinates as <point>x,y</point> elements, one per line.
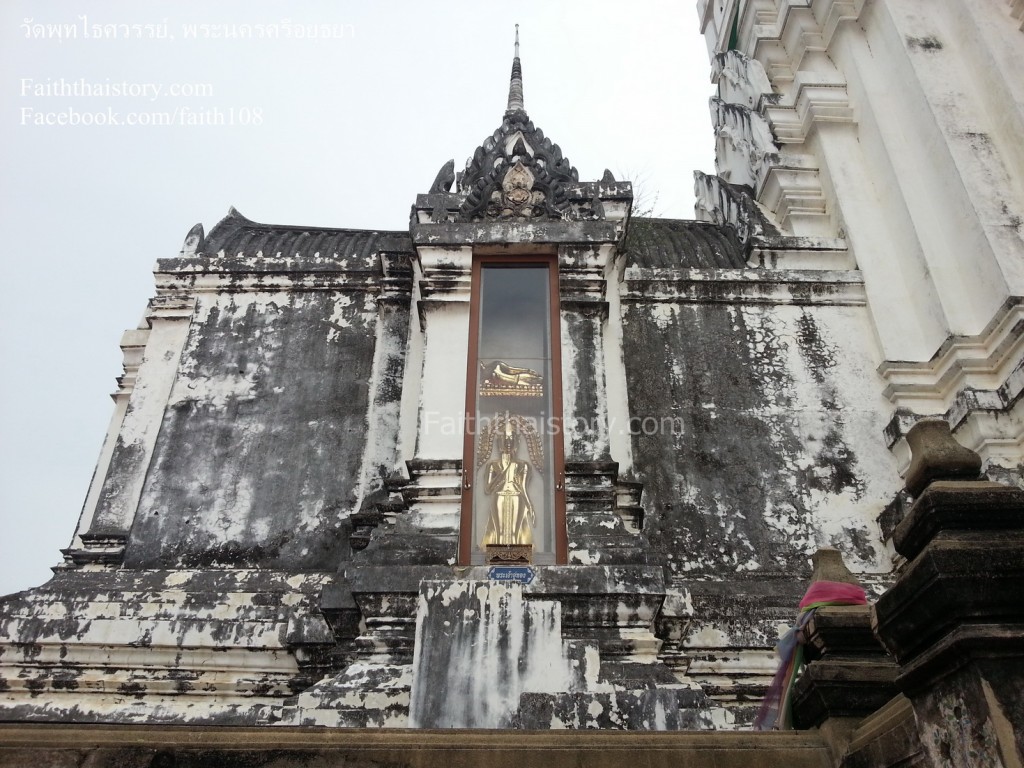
<point>773,443</point>
<point>260,446</point>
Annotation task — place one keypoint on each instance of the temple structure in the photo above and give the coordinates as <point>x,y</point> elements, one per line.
<point>536,463</point>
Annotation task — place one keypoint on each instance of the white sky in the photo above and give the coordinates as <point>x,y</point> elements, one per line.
<point>334,132</point>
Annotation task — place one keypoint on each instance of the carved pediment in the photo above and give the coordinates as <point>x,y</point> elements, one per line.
<point>517,173</point>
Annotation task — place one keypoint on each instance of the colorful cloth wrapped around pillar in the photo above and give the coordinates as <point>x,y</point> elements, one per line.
<point>776,709</point>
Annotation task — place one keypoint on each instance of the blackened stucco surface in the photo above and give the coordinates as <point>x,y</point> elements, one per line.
<point>746,447</point>
<point>260,445</point>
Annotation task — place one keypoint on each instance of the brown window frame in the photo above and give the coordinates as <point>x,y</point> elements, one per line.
<point>513,258</point>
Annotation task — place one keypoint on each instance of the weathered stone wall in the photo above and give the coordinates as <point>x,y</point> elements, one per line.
<point>757,435</point>
<point>895,126</point>
<point>256,415</point>
<point>184,646</point>
<point>262,438</point>
<point>756,414</point>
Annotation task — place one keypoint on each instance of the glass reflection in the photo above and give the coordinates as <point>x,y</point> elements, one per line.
<point>513,499</point>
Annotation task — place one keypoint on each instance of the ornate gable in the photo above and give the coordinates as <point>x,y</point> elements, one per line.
<point>517,172</point>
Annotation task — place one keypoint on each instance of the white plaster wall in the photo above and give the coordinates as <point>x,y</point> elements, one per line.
<point>133,344</point>
<point>443,394</point>
<point>412,380</point>
<point>619,439</point>
<point>842,375</point>
<point>932,134</point>
<point>913,111</point>
<point>141,424</point>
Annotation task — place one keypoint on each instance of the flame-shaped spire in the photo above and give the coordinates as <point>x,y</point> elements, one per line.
<point>515,86</point>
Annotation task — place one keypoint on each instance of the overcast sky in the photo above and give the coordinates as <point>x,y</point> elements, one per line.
<point>341,130</point>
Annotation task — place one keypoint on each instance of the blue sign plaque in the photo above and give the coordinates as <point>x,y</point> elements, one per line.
<point>520,574</point>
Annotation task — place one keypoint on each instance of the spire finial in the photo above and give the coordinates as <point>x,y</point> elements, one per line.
<point>515,87</point>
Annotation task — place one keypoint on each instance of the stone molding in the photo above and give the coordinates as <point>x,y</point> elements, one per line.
<point>802,253</point>
<point>255,275</point>
<point>133,345</point>
<point>785,31</point>
<point>111,746</point>
<point>974,382</point>
<point>814,100</point>
<point>445,273</point>
<point>194,646</point>
<point>986,361</point>
<point>744,286</point>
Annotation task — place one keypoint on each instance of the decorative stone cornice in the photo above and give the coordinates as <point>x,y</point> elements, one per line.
<point>258,280</point>
<point>814,99</point>
<point>242,255</point>
<point>237,237</point>
<point>518,232</point>
<point>397,271</point>
<point>170,306</point>
<point>581,276</point>
<point>744,286</point>
<point>986,361</point>
<point>791,28</point>
<point>98,549</point>
<point>792,192</point>
<point>802,253</point>
<point>974,382</point>
<point>446,273</point>
<point>133,347</point>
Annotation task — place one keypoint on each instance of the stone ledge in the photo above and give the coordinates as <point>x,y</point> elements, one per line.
<point>294,746</point>
<point>744,286</point>
<point>887,737</point>
<point>964,505</point>
<point>960,579</point>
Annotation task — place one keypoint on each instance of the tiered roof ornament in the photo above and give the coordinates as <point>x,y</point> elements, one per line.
<point>518,173</point>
